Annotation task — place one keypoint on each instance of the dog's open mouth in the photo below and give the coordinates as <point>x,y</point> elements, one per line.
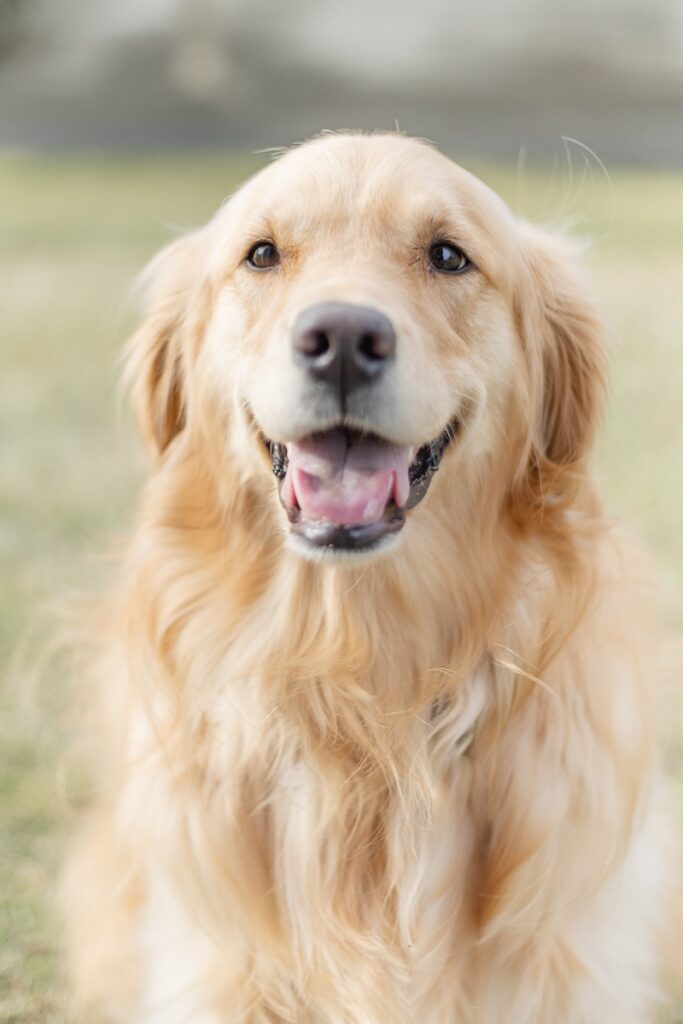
<point>347,490</point>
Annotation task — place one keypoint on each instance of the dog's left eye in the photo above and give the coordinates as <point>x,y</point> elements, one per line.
<point>263,256</point>
<point>447,258</point>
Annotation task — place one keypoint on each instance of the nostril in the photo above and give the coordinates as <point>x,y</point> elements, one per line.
<point>314,344</point>
<point>376,346</point>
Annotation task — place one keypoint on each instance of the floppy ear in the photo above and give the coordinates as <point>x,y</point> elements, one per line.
<point>157,353</point>
<point>570,352</point>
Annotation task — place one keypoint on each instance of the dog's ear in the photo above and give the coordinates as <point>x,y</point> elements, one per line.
<point>569,347</point>
<point>157,353</point>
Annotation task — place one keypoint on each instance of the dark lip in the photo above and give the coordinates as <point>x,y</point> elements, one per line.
<point>332,537</point>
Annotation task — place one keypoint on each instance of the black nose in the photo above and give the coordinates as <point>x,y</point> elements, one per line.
<point>343,345</point>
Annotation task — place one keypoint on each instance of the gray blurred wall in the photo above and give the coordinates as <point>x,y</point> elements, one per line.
<point>492,77</point>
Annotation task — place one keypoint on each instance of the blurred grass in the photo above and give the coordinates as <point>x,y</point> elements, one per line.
<point>73,234</point>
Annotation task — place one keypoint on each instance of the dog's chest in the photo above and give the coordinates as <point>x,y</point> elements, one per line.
<point>346,866</point>
<point>341,842</point>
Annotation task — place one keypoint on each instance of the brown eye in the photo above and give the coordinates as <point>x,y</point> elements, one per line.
<point>447,258</point>
<point>263,256</point>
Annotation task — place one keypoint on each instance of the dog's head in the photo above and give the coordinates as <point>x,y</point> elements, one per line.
<point>361,314</point>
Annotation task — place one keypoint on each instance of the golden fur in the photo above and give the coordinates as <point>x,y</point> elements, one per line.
<point>415,788</point>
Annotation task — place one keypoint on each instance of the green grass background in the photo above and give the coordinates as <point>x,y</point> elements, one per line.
<point>73,234</point>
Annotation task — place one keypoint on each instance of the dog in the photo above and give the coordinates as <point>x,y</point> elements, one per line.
<point>376,699</point>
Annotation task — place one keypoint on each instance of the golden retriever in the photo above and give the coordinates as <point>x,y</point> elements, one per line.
<point>377,738</point>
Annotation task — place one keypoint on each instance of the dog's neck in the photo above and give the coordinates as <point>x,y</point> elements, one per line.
<point>395,636</point>
<point>388,627</point>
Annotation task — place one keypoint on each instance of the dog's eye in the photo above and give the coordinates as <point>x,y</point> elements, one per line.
<point>447,258</point>
<point>263,256</point>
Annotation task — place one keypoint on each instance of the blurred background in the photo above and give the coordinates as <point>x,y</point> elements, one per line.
<point>124,122</point>
<point>485,77</point>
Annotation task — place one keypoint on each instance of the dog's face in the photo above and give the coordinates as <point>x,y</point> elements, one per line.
<point>365,311</point>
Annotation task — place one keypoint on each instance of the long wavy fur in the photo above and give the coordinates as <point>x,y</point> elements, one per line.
<point>279,736</point>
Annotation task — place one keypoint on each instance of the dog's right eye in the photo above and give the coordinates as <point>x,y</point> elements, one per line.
<point>263,256</point>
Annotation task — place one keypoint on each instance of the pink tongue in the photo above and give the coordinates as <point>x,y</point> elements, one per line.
<point>345,479</point>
